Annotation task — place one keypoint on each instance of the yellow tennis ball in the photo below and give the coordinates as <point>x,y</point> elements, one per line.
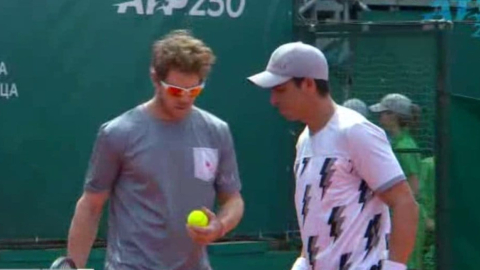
<point>197,218</point>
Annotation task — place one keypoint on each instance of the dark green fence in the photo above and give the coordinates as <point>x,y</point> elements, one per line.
<point>459,178</point>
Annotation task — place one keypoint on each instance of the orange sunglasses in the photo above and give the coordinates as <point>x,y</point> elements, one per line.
<point>178,91</point>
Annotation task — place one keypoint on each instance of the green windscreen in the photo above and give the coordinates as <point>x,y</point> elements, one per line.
<point>68,66</point>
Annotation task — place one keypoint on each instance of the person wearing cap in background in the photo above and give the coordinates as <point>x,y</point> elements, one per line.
<point>399,117</point>
<point>347,176</point>
<point>357,105</point>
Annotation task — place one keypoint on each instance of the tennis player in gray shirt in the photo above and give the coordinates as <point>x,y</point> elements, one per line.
<point>157,162</point>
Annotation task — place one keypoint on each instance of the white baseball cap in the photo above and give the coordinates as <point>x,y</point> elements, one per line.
<point>292,60</point>
<point>396,103</point>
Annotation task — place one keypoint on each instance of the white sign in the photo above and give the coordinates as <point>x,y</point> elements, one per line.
<point>202,8</point>
<point>7,90</point>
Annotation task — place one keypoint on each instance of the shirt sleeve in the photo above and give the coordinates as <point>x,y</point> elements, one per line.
<point>227,179</point>
<point>104,165</point>
<point>373,157</point>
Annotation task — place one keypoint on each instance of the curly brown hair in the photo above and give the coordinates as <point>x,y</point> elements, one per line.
<point>180,50</point>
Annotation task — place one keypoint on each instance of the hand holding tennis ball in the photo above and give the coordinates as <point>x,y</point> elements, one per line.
<point>197,218</point>
<point>204,227</point>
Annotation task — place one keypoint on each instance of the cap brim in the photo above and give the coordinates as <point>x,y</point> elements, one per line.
<point>267,79</point>
<point>377,108</point>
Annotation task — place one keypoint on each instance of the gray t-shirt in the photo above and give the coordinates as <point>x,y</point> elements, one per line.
<point>157,173</point>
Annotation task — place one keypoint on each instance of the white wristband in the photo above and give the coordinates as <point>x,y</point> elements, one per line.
<point>391,265</point>
<point>301,264</point>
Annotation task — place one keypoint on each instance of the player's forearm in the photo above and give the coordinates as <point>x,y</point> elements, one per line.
<point>83,231</point>
<point>413,180</point>
<point>404,227</point>
<point>231,212</point>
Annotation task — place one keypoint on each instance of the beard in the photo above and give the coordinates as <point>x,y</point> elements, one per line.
<point>173,110</point>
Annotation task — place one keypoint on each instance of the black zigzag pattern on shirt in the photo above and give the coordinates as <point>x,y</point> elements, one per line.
<point>336,222</point>
<point>305,163</point>
<point>376,266</point>
<point>372,234</point>
<point>326,174</point>
<point>366,194</point>
<point>345,261</point>
<point>387,240</point>
<point>306,202</point>
<point>312,250</point>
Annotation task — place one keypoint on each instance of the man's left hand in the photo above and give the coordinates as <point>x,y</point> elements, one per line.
<point>208,234</point>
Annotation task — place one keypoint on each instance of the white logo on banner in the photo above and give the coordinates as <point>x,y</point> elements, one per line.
<point>7,90</point>
<point>465,10</point>
<point>208,8</point>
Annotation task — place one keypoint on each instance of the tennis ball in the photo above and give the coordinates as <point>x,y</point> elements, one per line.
<point>197,218</point>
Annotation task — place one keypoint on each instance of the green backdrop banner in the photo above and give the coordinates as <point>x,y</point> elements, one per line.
<point>67,66</point>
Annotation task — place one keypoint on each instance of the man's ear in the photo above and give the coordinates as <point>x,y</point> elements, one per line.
<point>154,77</point>
<point>153,74</point>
